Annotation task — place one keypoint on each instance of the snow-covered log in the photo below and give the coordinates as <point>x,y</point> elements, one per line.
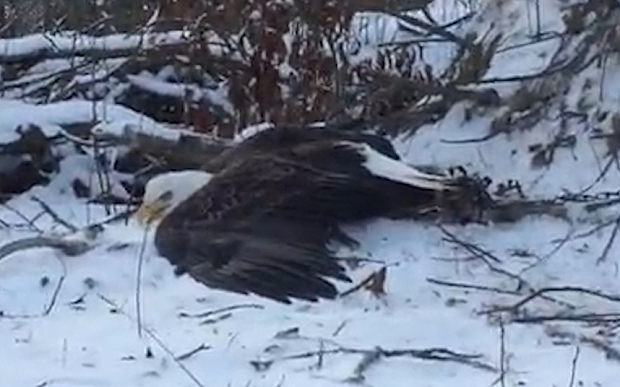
<point>70,44</point>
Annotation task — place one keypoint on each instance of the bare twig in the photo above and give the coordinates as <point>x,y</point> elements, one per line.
<point>561,289</point>
<point>157,340</point>
<point>572,64</point>
<point>54,214</point>
<point>52,303</point>
<point>67,246</point>
<point>502,353</point>
<point>610,242</point>
<point>573,369</point>
<point>61,280</point>
<point>473,140</point>
<point>221,310</point>
<point>485,256</point>
<point>201,347</point>
<point>472,248</point>
<point>340,328</point>
<point>432,29</point>
<point>29,222</point>
<point>472,286</point>
<point>561,243</point>
<point>587,233</point>
<point>590,318</point>
<point>437,354</point>
<point>113,218</point>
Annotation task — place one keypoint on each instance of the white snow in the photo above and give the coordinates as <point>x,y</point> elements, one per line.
<point>184,92</point>
<point>89,335</point>
<point>50,117</point>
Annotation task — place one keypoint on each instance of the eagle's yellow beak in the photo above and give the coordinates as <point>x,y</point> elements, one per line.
<point>150,212</point>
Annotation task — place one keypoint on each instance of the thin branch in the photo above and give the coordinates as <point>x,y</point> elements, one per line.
<point>543,291</point>
<point>486,257</point>
<point>547,72</point>
<point>157,340</point>
<point>484,138</point>
<point>431,29</point>
<point>610,242</point>
<point>587,233</point>
<point>437,354</point>
<point>472,248</point>
<point>502,353</point>
<point>590,318</point>
<point>472,286</point>
<point>29,222</point>
<point>200,348</point>
<point>483,255</point>
<point>61,280</point>
<point>221,310</point>
<point>54,214</point>
<point>573,369</point>
<point>69,247</point>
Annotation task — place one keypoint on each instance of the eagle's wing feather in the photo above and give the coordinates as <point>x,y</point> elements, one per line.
<point>266,267</point>
<point>257,235</point>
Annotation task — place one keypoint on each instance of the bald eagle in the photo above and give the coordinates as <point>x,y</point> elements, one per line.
<point>261,218</point>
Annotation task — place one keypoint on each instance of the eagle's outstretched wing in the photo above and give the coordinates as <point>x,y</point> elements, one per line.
<point>253,229</point>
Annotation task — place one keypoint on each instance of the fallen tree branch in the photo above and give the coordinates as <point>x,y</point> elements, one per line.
<point>585,317</point>
<point>437,354</point>
<point>181,92</point>
<point>72,244</point>
<point>472,286</point>
<point>68,247</point>
<point>70,44</point>
<point>220,310</point>
<point>541,292</point>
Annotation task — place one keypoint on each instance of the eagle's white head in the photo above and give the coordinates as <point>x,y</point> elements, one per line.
<point>163,193</point>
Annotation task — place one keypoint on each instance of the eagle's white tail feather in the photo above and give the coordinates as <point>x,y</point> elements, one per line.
<point>383,166</point>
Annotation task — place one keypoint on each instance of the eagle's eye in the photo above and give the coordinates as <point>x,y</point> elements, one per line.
<point>166,196</point>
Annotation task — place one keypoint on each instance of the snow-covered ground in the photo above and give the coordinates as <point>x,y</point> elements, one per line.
<point>72,321</point>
